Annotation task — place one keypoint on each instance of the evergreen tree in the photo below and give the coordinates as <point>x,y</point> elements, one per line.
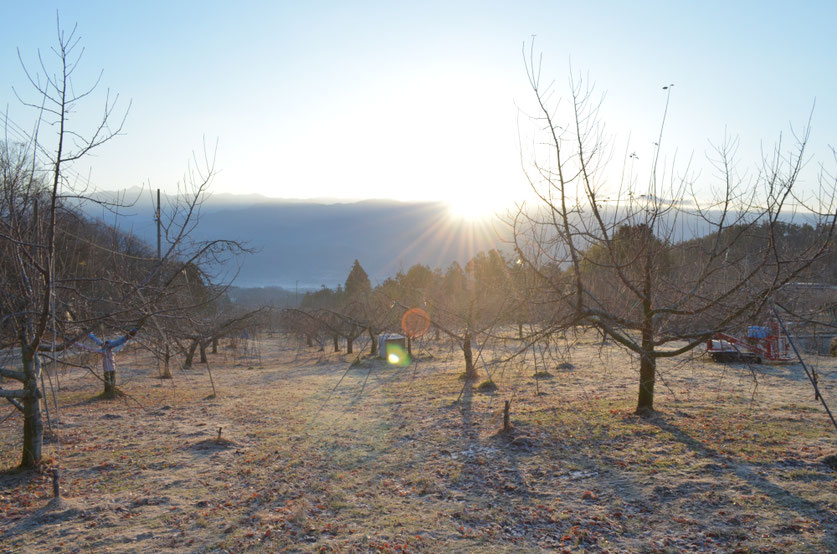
<point>357,283</point>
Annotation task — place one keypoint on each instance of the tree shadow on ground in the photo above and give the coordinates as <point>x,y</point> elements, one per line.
<point>16,476</point>
<point>492,464</point>
<point>776,493</point>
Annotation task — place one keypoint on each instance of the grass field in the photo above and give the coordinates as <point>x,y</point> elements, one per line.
<point>319,454</point>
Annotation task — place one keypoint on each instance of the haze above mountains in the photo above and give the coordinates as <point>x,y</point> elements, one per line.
<point>304,244</point>
<point>310,243</point>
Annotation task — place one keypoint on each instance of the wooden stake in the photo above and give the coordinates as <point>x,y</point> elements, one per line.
<point>56,488</point>
<point>506,424</point>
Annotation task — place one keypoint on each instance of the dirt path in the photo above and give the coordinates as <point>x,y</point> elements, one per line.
<point>315,455</point>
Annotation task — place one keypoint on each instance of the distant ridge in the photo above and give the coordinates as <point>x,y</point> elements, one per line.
<point>143,195</point>
<point>305,244</point>
<point>310,243</point>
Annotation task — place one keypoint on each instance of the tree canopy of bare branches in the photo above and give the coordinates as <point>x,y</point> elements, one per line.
<point>63,275</point>
<point>618,258</point>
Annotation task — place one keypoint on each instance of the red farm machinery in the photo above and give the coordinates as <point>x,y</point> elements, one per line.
<point>766,342</point>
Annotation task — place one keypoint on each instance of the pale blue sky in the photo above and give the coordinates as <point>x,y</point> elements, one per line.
<point>417,100</point>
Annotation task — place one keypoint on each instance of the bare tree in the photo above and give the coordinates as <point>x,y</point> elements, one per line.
<point>617,259</point>
<point>470,305</point>
<point>30,214</point>
<point>64,276</point>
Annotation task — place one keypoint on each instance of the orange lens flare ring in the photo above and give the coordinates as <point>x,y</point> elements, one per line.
<point>415,322</point>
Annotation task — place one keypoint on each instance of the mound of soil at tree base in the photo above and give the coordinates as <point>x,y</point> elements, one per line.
<point>214,444</point>
<point>370,362</point>
<point>57,510</point>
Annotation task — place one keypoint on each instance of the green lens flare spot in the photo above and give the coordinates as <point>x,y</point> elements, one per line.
<point>397,356</point>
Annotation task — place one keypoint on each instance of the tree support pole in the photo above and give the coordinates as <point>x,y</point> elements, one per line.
<point>805,367</point>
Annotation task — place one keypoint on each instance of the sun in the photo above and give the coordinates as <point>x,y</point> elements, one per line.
<point>474,207</point>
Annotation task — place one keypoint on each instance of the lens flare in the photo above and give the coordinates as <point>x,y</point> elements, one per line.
<point>415,322</point>
<point>397,356</point>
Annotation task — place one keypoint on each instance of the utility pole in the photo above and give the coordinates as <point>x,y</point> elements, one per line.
<point>157,219</point>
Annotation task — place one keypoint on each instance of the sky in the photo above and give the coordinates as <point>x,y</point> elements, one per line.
<point>419,100</point>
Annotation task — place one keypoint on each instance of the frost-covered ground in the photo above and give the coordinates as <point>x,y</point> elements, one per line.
<point>318,455</point>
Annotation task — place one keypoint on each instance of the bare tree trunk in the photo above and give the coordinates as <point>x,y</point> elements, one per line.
<point>203,352</point>
<point>374,350</point>
<point>336,343</point>
<point>214,345</point>
<point>166,368</point>
<point>648,360</point>
<point>33,425</point>
<point>647,372</point>
<point>470,369</point>
<point>309,340</point>
<point>349,344</point>
<point>187,363</point>
<point>110,384</point>
<point>409,346</point>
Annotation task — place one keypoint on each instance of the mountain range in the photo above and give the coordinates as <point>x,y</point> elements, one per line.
<point>305,244</point>
<point>302,245</point>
